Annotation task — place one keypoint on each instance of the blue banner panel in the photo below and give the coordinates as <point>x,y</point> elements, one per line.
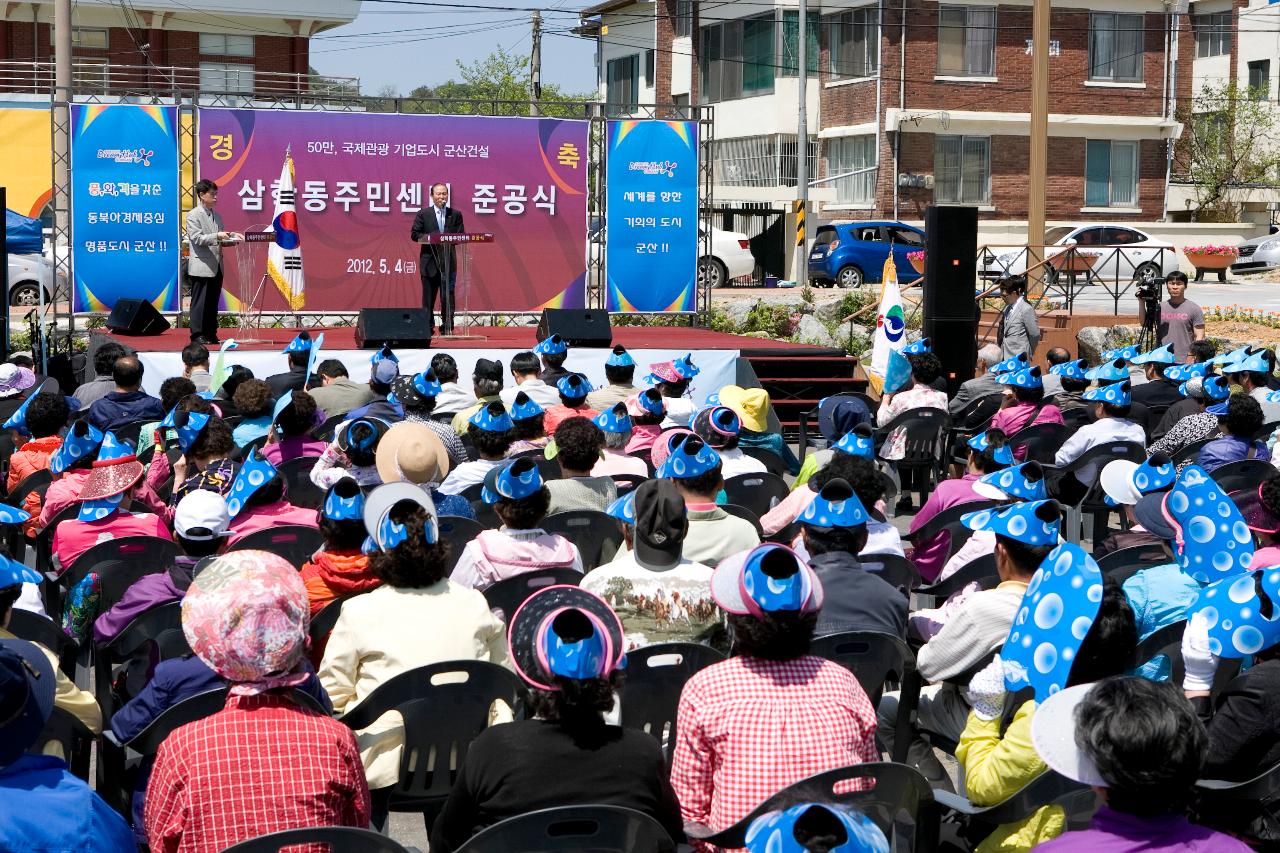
<point>125,222</point>
<point>651,181</point>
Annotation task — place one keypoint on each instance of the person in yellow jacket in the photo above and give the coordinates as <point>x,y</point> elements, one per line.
<point>997,753</point>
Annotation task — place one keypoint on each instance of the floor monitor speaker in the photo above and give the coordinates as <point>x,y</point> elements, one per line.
<point>581,327</point>
<point>396,327</point>
<point>136,317</point>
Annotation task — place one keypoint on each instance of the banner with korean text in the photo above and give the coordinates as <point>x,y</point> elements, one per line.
<point>124,202</point>
<point>651,186</point>
<point>361,177</point>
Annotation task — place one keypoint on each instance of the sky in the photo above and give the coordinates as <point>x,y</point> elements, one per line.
<point>405,47</point>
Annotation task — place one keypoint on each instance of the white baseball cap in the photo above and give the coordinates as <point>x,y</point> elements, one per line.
<point>201,515</point>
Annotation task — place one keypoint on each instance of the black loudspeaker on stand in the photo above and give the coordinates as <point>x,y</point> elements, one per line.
<point>950,274</point>
<point>136,317</point>
<point>396,327</point>
<point>581,327</point>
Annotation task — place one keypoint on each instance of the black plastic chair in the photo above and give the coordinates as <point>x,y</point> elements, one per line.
<point>457,531</point>
<point>1242,474</point>
<point>1161,641</point>
<point>757,492</point>
<point>743,512</point>
<point>574,829</point>
<point>808,440</point>
<point>294,542</point>
<point>485,513</point>
<point>773,463</point>
<point>322,623</point>
<point>898,790</point>
<point>244,452</point>
<point>44,539</point>
<point>656,675</point>
<point>298,486</point>
<point>1189,452</point>
<point>507,595</point>
<point>895,570</point>
<point>1040,441</point>
<point>129,432</point>
<point>1126,562</point>
<point>445,706</point>
<point>139,556</point>
<point>982,571</point>
<point>1049,788</point>
<point>74,740</point>
<point>974,418</point>
<point>1090,500</point>
<point>35,482</point>
<point>326,430</point>
<point>876,658</point>
<point>627,482</point>
<point>336,839</point>
<point>1244,801</point>
<point>924,450</point>
<point>596,534</point>
<point>43,631</point>
<point>948,521</point>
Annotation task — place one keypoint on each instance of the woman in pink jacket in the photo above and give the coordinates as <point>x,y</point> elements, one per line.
<point>520,499</point>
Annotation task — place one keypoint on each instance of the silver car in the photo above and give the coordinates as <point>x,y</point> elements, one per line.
<point>1259,254</point>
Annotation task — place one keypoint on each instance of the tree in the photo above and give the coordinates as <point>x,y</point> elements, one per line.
<point>1228,148</point>
<point>501,77</point>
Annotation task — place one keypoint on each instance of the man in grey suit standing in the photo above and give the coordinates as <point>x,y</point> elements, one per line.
<point>1019,332</point>
<point>204,264</point>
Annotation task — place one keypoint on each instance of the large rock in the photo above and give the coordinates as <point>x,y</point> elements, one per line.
<point>1091,341</point>
<point>810,330</point>
<point>737,310</point>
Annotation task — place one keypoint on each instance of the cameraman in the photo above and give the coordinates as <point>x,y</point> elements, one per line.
<point>1181,320</point>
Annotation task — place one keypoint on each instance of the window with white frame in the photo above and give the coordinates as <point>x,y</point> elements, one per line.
<point>1115,47</point>
<point>1213,34</point>
<point>967,41</point>
<point>962,169</point>
<point>855,158</point>
<point>226,44</point>
<point>622,77</point>
<point>853,40</point>
<point>1110,173</point>
<point>226,77</point>
<point>89,38</point>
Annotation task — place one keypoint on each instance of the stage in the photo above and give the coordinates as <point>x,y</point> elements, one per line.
<point>715,353</point>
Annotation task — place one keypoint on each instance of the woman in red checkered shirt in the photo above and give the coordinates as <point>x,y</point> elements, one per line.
<point>772,714</point>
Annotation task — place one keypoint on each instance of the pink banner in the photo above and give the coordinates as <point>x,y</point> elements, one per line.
<point>360,179</point>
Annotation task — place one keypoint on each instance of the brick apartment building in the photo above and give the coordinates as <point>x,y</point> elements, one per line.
<point>157,46</point>
<point>915,102</point>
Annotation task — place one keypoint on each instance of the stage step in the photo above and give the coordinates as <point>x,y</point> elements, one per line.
<point>797,382</point>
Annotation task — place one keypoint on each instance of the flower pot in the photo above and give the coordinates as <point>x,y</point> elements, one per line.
<point>1075,262</point>
<point>1210,262</point>
<point>917,264</point>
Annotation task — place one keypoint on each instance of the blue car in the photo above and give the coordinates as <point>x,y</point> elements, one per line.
<point>850,253</point>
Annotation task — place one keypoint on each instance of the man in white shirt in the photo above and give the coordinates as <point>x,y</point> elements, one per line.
<point>525,368</point>
<point>660,595</point>
<point>1112,424</point>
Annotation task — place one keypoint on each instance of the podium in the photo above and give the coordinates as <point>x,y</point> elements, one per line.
<point>461,242</point>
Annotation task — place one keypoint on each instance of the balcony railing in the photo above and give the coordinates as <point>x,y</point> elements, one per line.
<point>98,78</point>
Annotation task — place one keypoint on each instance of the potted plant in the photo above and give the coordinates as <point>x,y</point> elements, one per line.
<point>917,260</point>
<point>1211,258</point>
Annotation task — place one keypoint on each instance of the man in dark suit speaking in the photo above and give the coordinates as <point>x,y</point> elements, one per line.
<point>437,264</point>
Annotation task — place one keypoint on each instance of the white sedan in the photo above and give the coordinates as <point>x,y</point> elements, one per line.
<point>28,274</point>
<point>1123,254</point>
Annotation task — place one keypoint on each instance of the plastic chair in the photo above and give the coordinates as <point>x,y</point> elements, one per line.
<point>44,539</point>
<point>875,658</point>
<point>1077,800</point>
<point>627,482</point>
<point>898,790</point>
<point>924,449</point>
<point>457,531</point>
<point>1244,801</point>
<point>243,452</point>
<point>326,430</point>
<point>656,675</point>
<point>1040,441</point>
<point>36,481</point>
<point>1127,562</point>
<point>485,513</point>
<point>1091,500</point>
<point>1189,452</point>
<point>1160,641</point>
<point>297,479</point>
<point>743,512</point>
<point>596,534</point>
<point>337,839</point>
<point>142,555</point>
<point>507,595</point>
<point>445,706</point>
<point>773,463</point>
<point>974,418</point>
<point>757,492</point>
<point>43,631</point>
<point>129,432</point>
<point>981,571</point>
<point>574,829</point>
<point>322,623</point>
<point>948,521</point>
<point>73,738</point>
<point>893,569</point>
<point>1242,474</point>
<point>294,542</point>
<point>807,440</point>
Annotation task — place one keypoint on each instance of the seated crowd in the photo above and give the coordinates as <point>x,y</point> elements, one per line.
<point>438,518</point>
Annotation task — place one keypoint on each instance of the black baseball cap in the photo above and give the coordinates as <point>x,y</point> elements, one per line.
<point>487,368</point>
<point>661,524</point>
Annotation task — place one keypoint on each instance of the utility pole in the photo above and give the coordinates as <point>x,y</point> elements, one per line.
<point>1039,138</point>
<point>535,65</point>
<point>802,144</point>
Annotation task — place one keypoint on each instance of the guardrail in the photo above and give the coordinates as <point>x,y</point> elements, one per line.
<point>95,77</point>
<point>1069,271</point>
